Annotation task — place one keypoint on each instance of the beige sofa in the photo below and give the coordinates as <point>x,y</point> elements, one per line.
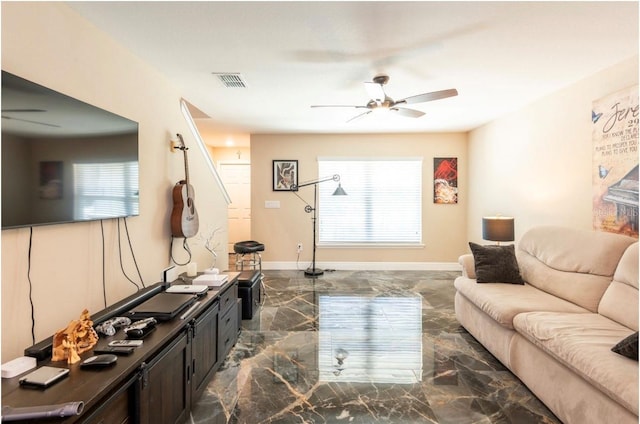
<point>555,332</point>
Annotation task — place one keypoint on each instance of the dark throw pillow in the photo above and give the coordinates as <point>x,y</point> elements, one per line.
<point>496,264</point>
<point>628,347</point>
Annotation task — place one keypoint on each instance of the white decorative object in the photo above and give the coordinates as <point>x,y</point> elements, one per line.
<point>17,366</point>
<point>192,269</point>
<point>209,244</point>
<point>211,280</point>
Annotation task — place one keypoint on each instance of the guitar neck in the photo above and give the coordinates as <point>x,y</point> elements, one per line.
<point>184,149</point>
<point>186,166</point>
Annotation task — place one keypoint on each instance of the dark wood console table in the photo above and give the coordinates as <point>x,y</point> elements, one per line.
<point>159,381</point>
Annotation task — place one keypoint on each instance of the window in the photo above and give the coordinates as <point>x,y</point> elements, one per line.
<point>105,189</point>
<point>383,203</point>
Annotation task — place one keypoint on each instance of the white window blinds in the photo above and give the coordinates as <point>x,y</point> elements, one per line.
<point>383,203</point>
<point>105,190</point>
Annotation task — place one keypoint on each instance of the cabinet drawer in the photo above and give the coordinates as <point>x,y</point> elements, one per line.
<point>117,408</point>
<point>228,298</point>
<point>227,331</point>
<point>117,412</point>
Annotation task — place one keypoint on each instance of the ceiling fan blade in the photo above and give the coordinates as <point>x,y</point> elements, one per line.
<point>375,91</point>
<point>409,113</point>
<point>427,97</point>
<point>357,107</point>
<point>359,116</point>
<point>23,110</point>
<point>31,122</point>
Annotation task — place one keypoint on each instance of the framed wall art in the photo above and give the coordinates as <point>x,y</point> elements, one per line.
<point>445,180</point>
<point>615,162</point>
<point>285,174</point>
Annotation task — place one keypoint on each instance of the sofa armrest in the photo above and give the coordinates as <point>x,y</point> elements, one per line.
<point>468,266</point>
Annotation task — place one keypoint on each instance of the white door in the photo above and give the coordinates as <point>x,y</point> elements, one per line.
<point>237,180</point>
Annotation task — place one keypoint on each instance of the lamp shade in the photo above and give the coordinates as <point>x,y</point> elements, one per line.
<point>339,191</point>
<point>497,228</point>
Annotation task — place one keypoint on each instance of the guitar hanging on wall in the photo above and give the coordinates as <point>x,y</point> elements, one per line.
<point>184,218</point>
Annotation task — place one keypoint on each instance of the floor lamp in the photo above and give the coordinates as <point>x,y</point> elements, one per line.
<point>312,271</point>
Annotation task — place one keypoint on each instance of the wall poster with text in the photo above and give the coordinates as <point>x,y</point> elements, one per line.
<point>445,180</point>
<point>615,162</point>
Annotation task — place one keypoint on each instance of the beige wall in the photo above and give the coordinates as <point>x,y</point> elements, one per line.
<point>444,226</point>
<point>49,44</point>
<point>536,164</point>
<point>230,155</point>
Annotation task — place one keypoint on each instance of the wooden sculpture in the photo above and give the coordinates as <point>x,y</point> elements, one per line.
<point>78,337</point>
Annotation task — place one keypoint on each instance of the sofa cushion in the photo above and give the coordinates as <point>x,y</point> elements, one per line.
<point>495,264</point>
<point>576,265</point>
<point>620,300</point>
<point>628,347</point>
<point>627,269</point>
<point>503,302</point>
<point>468,266</point>
<point>582,342</point>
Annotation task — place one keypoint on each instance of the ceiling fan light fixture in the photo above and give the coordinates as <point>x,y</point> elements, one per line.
<point>381,103</point>
<point>381,110</point>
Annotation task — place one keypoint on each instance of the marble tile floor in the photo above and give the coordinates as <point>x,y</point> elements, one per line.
<point>363,347</point>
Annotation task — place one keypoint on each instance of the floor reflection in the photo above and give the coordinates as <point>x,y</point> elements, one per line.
<point>363,347</point>
<point>370,339</point>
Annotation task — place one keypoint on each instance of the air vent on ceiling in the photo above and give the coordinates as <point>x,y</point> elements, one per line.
<point>231,80</point>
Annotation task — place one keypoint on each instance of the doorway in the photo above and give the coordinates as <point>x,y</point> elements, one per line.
<point>237,180</point>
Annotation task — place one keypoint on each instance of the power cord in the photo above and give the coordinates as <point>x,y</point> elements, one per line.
<point>104,287</point>
<point>126,228</point>
<point>185,246</point>
<point>120,257</point>
<point>104,279</point>
<point>298,263</point>
<point>33,317</point>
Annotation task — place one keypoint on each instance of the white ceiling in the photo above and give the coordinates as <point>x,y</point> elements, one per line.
<point>499,55</point>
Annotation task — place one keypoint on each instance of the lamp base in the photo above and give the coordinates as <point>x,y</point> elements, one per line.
<point>313,272</point>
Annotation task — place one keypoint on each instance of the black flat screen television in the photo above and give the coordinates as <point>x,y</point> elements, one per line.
<point>64,160</point>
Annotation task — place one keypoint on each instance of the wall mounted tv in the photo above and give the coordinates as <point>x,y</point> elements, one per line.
<point>64,160</point>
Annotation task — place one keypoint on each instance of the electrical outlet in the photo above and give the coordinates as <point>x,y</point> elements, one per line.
<point>299,248</point>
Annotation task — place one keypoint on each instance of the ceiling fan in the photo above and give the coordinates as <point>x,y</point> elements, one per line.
<point>4,111</point>
<point>380,100</point>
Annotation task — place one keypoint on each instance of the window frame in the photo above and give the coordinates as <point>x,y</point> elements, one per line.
<point>324,195</point>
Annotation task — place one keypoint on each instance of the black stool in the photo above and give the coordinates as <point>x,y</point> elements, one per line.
<point>252,249</point>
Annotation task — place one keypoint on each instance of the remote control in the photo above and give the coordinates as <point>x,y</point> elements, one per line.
<point>116,350</point>
<point>125,343</point>
<point>99,361</point>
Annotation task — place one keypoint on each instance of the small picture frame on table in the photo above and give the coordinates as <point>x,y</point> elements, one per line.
<point>285,175</point>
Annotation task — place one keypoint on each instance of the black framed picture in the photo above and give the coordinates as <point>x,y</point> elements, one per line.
<point>445,180</point>
<point>285,175</point>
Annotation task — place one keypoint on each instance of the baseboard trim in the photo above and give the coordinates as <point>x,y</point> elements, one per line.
<point>366,266</point>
